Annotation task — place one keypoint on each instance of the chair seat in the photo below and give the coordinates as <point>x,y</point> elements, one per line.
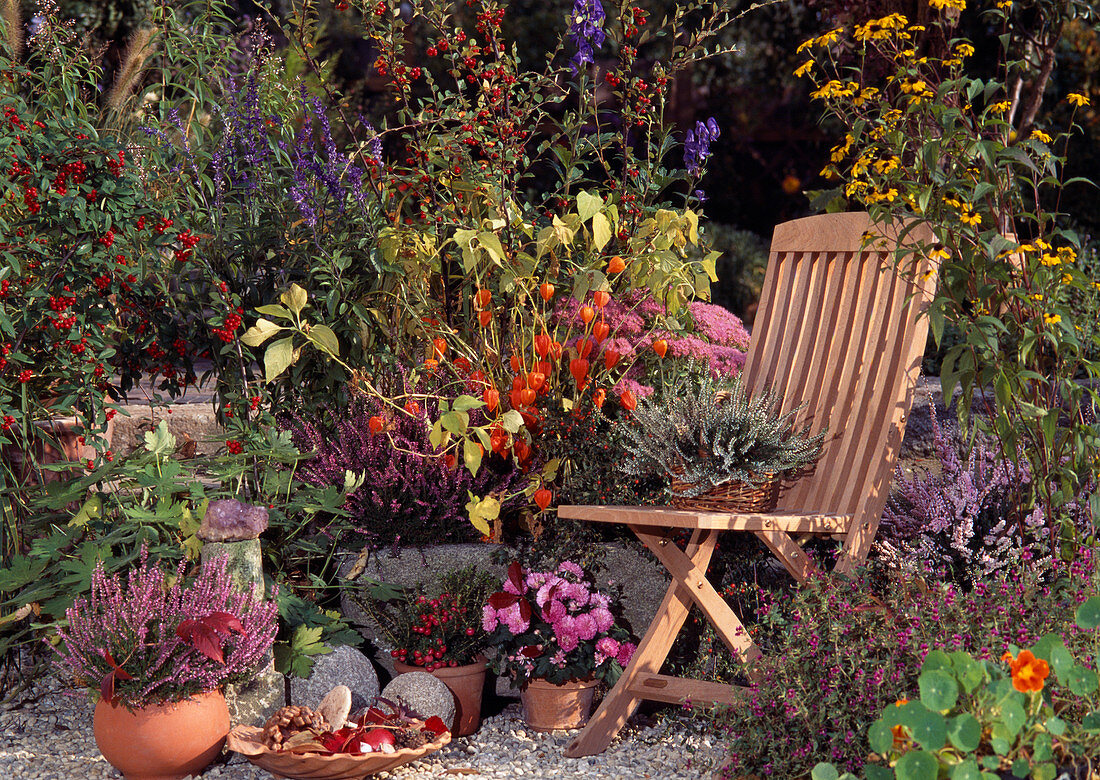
<point>790,522</point>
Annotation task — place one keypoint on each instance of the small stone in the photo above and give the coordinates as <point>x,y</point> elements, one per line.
<point>424,694</point>
<point>230,520</point>
<point>336,706</point>
<point>343,666</point>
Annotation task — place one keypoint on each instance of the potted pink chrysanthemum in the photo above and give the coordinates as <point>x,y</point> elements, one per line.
<point>557,636</point>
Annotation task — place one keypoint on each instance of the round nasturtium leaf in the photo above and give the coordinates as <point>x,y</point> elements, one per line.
<point>938,690</point>
<point>880,737</point>
<point>917,765</point>
<point>824,771</point>
<point>965,732</point>
<point>929,729</point>
<point>966,770</point>
<point>1088,614</point>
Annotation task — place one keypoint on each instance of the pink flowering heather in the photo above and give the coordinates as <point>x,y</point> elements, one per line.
<point>719,325</point>
<point>125,638</point>
<point>555,625</point>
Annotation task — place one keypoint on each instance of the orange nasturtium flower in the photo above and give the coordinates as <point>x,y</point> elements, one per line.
<point>1028,672</point>
<point>901,736</point>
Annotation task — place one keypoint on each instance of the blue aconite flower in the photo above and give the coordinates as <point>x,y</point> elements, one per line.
<point>697,145</point>
<point>586,29</point>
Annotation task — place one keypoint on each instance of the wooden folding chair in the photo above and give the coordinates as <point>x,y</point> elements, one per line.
<point>840,330</point>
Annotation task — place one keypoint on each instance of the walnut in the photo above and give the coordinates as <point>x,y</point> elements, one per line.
<point>288,721</point>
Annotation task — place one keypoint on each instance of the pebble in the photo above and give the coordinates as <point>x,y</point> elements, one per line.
<point>49,737</point>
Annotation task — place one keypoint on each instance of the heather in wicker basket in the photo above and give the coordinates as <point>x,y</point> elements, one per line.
<point>719,446</point>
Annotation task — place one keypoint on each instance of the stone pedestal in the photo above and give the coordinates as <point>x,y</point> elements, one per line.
<point>231,529</point>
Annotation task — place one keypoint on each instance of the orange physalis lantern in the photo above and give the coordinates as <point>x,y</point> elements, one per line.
<point>491,398</point>
<point>546,290</point>
<point>587,313</point>
<point>412,407</point>
<point>584,347</point>
<point>484,318</point>
<point>600,331</point>
<point>535,380</point>
<point>514,363</point>
<point>616,265</point>
<point>542,345</point>
<point>481,300</point>
<point>660,346</point>
<point>610,358</point>
<point>376,424</point>
<point>599,397</point>
<point>578,367</point>
<point>628,400</point>
<point>542,498</point>
<point>601,298</point>
<point>440,347</point>
<point>526,396</point>
<point>555,350</point>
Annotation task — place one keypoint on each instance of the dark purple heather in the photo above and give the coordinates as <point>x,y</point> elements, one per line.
<point>134,619</point>
<point>409,494</point>
<point>697,145</point>
<point>586,29</point>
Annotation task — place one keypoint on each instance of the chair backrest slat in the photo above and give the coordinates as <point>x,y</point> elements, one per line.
<point>839,330</point>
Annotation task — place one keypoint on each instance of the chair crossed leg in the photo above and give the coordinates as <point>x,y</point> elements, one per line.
<point>641,680</point>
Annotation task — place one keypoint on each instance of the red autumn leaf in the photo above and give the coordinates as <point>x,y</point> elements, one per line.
<point>120,673</point>
<point>502,600</point>
<point>531,651</point>
<point>515,575</point>
<point>206,634</point>
<point>436,725</point>
<point>107,687</point>
<point>524,610</point>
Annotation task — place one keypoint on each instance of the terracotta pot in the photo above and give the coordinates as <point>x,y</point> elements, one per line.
<point>547,706</point>
<point>466,683</point>
<point>162,741</point>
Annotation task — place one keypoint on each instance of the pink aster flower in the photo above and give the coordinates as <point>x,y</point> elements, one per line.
<point>553,612</point>
<point>603,618</point>
<point>585,627</point>
<point>513,619</point>
<point>489,618</point>
<point>606,648</point>
<point>568,567</point>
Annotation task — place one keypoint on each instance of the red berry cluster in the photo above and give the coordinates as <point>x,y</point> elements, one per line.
<point>228,331</point>
<point>234,447</point>
<point>187,244</point>
<point>439,622</point>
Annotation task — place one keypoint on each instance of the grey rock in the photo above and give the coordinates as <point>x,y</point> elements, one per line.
<point>343,666</point>
<point>230,520</point>
<point>253,703</point>
<point>336,706</point>
<point>423,694</point>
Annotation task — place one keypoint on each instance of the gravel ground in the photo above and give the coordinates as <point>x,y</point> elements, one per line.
<point>50,738</point>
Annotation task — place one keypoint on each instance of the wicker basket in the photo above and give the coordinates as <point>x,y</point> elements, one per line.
<point>729,497</point>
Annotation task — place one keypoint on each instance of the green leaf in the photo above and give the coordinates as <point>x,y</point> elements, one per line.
<point>965,732</point>
<point>456,422</point>
<point>936,659</point>
<point>295,658</point>
<point>471,456</point>
<point>880,737</point>
<point>938,690</point>
<point>260,332</point>
<point>20,572</point>
<point>323,337</point>
<point>160,440</point>
<point>1088,614</point>
<point>588,205</point>
<point>1012,715</point>
<point>917,765</point>
<point>274,310</point>
<point>295,298</point>
<point>481,511</point>
<point>927,727</point>
<point>1042,748</point>
<point>1090,723</point>
<point>601,231</point>
<point>1020,767</point>
<point>966,770</point>
<point>873,772</point>
<point>90,510</point>
<point>1082,681</point>
<point>512,421</point>
<point>278,358</point>
<point>435,438</point>
<point>491,243</point>
<point>464,403</point>
<point>824,771</point>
